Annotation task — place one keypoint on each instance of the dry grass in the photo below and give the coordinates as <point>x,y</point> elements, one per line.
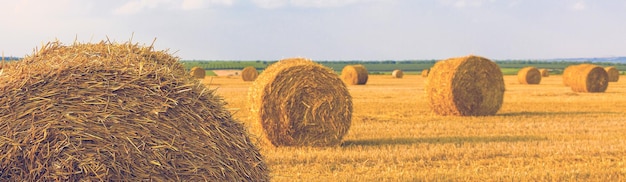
<point>116,112</point>
<point>354,74</point>
<point>397,74</point>
<point>544,72</point>
<point>529,75</point>
<point>613,73</point>
<point>542,133</point>
<point>425,73</point>
<point>197,72</point>
<point>301,103</point>
<point>249,73</point>
<point>589,78</point>
<point>465,86</point>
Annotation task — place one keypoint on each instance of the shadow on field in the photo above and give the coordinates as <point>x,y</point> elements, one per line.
<point>441,140</point>
<point>551,113</point>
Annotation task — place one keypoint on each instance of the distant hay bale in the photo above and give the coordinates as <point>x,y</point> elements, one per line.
<point>589,78</point>
<point>613,73</point>
<point>197,72</point>
<point>544,72</point>
<point>465,86</point>
<point>354,74</point>
<point>425,73</point>
<point>301,103</point>
<point>397,74</point>
<point>117,112</point>
<point>249,73</point>
<point>529,75</point>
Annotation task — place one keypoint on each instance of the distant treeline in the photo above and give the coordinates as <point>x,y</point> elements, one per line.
<point>556,67</point>
<point>9,58</point>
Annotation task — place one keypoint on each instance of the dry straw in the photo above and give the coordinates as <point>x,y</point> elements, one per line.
<point>465,86</point>
<point>529,75</point>
<point>397,74</point>
<point>613,73</point>
<point>589,78</point>
<point>544,72</point>
<point>249,74</point>
<point>425,73</point>
<point>568,72</point>
<point>301,103</point>
<point>116,112</point>
<point>354,74</point>
<point>197,72</point>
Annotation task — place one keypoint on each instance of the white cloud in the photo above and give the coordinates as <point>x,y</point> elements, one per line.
<point>136,6</point>
<point>47,8</point>
<point>322,3</point>
<point>579,6</point>
<point>465,3</point>
<point>199,4</point>
<point>269,4</point>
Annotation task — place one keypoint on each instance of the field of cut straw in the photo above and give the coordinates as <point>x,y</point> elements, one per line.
<point>543,132</point>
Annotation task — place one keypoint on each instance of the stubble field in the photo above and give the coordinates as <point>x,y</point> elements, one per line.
<point>542,132</point>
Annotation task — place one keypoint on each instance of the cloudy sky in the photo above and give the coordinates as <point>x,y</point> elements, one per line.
<point>326,29</point>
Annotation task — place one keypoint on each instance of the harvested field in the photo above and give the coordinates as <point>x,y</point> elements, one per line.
<point>543,132</point>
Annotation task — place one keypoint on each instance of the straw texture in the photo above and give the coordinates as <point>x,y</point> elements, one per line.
<point>529,75</point>
<point>589,78</point>
<point>465,86</point>
<point>613,73</point>
<point>568,72</point>
<point>301,103</point>
<point>544,72</point>
<point>249,74</point>
<point>397,74</point>
<point>116,112</point>
<point>354,74</point>
<point>425,73</point>
<point>197,73</point>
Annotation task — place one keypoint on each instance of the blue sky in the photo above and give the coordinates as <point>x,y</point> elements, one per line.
<point>326,29</point>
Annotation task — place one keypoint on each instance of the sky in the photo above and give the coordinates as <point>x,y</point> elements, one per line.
<point>325,29</point>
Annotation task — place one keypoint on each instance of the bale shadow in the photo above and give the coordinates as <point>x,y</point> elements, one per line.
<point>524,113</point>
<point>441,140</point>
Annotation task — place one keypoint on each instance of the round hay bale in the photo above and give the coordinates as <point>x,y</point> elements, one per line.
<point>197,73</point>
<point>544,72</point>
<point>249,73</point>
<point>465,86</point>
<point>567,74</point>
<point>354,74</point>
<point>529,75</point>
<point>301,103</point>
<point>589,78</point>
<point>425,73</point>
<point>117,112</point>
<point>613,73</point>
<point>397,74</point>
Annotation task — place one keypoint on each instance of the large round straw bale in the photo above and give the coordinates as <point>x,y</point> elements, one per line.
<point>544,72</point>
<point>589,78</point>
<point>529,75</point>
<point>397,74</point>
<point>465,86</point>
<point>613,73</point>
<point>301,103</point>
<point>567,74</point>
<point>117,112</point>
<point>354,74</point>
<point>425,73</point>
<point>249,73</point>
<point>197,72</point>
